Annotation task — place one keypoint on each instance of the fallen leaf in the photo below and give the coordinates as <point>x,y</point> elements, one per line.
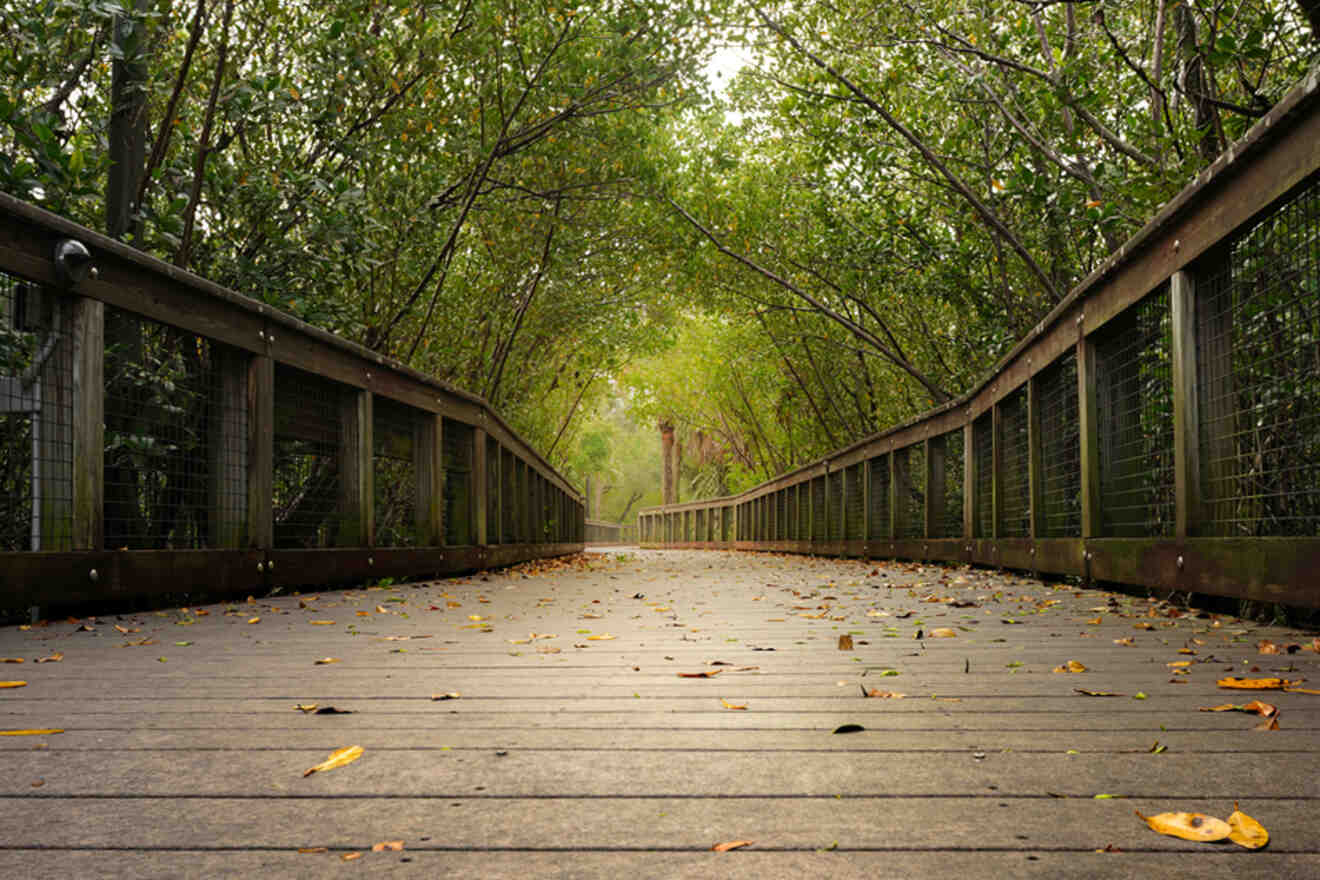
<point>849,728</point>
<point>709,673</point>
<point>309,850</point>
<point>1070,666</point>
<point>1296,690</point>
<point>1270,724</point>
<point>882,695</point>
<point>1265,710</point>
<point>11,659</point>
<point>1257,684</point>
<point>845,643</point>
<point>304,707</point>
<point>338,758</point>
<point>254,620</point>
<point>348,857</point>
<point>391,845</point>
<point>1087,693</point>
<point>1246,830</point>
<point>943,633</point>
<point>324,660</point>
<point>39,731</point>
<point>332,710</point>
<point>53,658</point>
<point>321,622</point>
<point>13,684</point>
<point>1095,621</point>
<point>1265,646</point>
<point>1158,748</point>
<point>452,695</point>
<point>1178,664</point>
<point>1188,826</point>
<point>604,637</point>
<point>731,844</point>
<point>729,705</point>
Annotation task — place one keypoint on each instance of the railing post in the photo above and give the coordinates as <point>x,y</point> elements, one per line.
<point>88,424</point>
<point>1186,422</point>
<point>261,451</point>
<point>969,480</point>
<point>480,489</point>
<point>428,460</point>
<point>895,495</point>
<point>996,471</point>
<point>1089,433</point>
<point>227,483</point>
<point>935,475</point>
<point>357,523</point>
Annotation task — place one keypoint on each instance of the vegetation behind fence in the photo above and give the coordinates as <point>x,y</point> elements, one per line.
<point>1160,427</point>
<point>160,434</point>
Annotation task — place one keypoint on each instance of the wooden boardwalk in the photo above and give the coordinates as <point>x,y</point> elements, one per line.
<point>575,748</point>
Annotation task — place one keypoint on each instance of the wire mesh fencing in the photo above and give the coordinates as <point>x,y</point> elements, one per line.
<point>1060,449</point>
<point>983,463</point>
<point>878,473</point>
<point>1014,457</point>
<point>950,522</point>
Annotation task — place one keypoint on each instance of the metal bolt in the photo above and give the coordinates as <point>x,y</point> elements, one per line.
<point>261,566</point>
<point>1177,244</point>
<point>1088,556</point>
<point>95,273</point>
<point>371,560</point>
<point>94,575</point>
<point>270,566</point>
<point>1180,563</point>
<point>1033,551</point>
<point>261,334</point>
<point>368,374</point>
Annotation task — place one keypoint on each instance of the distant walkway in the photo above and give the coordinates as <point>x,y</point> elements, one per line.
<point>578,743</point>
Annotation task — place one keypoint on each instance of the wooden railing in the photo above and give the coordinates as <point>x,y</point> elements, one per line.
<point>160,435</point>
<point>1160,427</point>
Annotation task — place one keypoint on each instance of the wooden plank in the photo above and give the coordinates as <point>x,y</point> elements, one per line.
<point>1089,432</point>
<point>1186,421</point>
<point>356,495</point>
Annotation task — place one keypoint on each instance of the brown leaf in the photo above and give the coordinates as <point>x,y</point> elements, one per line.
<point>1269,724</point>
<point>731,844</point>
<point>351,856</point>
<point>1128,641</point>
<point>1070,666</point>
<point>391,845</point>
<point>729,705</point>
<point>40,731</point>
<point>338,758</point>
<point>882,695</point>
<point>1265,710</point>
<point>1087,693</point>
<point>943,633</point>
<point>321,622</point>
<point>1246,830</point>
<point>845,642</point>
<point>310,850</point>
<point>1188,826</point>
<point>11,659</point>
<point>451,695</point>
<point>53,658</point>
<point>13,684</point>
<point>1265,646</point>
<point>325,660</point>
<point>709,673</point>
<point>1295,690</point>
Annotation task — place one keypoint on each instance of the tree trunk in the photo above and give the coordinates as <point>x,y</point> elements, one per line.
<point>668,470</point>
<point>1311,9</point>
<point>1197,85</point>
<point>127,146</point>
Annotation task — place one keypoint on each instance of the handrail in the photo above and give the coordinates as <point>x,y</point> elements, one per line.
<point>263,395</point>
<point>1110,443</point>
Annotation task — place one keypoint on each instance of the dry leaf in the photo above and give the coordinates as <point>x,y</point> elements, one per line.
<point>1070,666</point>
<point>845,643</point>
<point>53,658</point>
<point>13,684</point>
<point>305,707</point>
<point>1272,723</point>
<point>452,695</point>
<point>1257,684</point>
<point>1265,646</point>
<point>882,695</point>
<point>1095,621</point>
<point>324,660</point>
<point>1188,826</point>
<point>731,844</point>
<point>943,633</point>
<point>1179,664</point>
<point>1128,641</point>
<point>321,622</point>
<point>11,659</point>
<point>381,609</point>
<point>254,620</point>
<point>338,758</point>
<point>309,850</point>
<point>348,857</point>
<point>849,728</point>
<point>605,637</point>
<point>1265,710</point>
<point>729,705</point>
<point>710,673</point>
<point>1087,693</point>
<point>391,845</point>
<point>1295,690</point>
<point>1246,830</point>
<point>40,731</point>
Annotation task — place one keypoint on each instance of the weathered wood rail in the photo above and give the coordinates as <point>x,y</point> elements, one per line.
<point>1160,427</point>
<point>161,434</point>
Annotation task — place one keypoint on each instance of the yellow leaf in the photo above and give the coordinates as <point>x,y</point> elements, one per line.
<point>731,844</point>
<point>710,673</point>
<point>1188,826</point>
<point>452,695</point>
<point>324,660</point>
<point>729,705</point>
<point>477,617</point>
<point>1179,663</point>
<point>1070,666</point>
<point>13,684</point>
<point>605,637</point>
<point>391,845</point>
<point>1286,690</point>
<point>338,758</point>
<point>40,731</point>
<point>254,620</point>
<point>305,707</point>
<point>943,633</point>
<point>322,622</point>
<point>53,658</point>
<point>1257,684</point>
<point>1246,830</point>
<point>11,659</point>
<point>348,857</point>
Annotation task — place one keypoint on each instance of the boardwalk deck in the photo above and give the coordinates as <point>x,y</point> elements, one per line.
<point>576,756</point>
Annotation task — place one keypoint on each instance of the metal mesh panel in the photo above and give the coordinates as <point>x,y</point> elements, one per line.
<point>911,464</point>
<point>818,508</point>
<point>308,438</point>
<point>36,418</point>
<point>727,524</point>
<point>457,459</point>
<point>802,520</point>
<point>1014,458</point>
<point>781,514</point>
<point>834,504</point>
<point>951,519</point>
<point>508,500</point>
<point>701,525</point>
<point>162,437</point>
<point>1060,450</point>
<point>854,503</point>
<point>1258,343</point>
<point>1134,398</point>
<point>492,490</point>
<point>983,453</point>
<point>394,437</point>
<point>879,471</point>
